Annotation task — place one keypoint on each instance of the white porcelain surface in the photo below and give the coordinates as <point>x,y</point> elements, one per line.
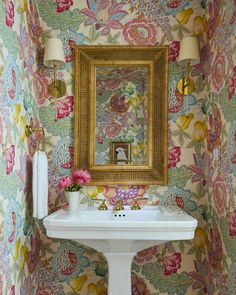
<point>119,235</point>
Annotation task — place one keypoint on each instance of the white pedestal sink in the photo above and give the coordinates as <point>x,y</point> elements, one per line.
<point>119,235</point>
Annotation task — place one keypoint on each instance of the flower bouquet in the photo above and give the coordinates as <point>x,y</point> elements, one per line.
<point>72,184</point>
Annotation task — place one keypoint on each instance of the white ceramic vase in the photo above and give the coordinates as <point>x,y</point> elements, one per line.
<point>74,199</point>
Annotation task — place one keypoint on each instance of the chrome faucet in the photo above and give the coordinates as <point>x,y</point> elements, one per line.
<point>118,205</point>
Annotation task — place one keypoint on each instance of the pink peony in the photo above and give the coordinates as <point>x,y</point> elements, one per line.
<point>172,263</point>
<point>174,156</point>
<point>232,83</point>
<point>174,50</point>
<point>232,224</point>
<point>140,32</point>
<point>65,182</point>
<point>9,13</point>
<point>63,5</point>
<point>10,159</point>
<point>81,176</point>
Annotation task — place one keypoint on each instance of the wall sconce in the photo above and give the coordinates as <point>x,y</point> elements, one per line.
<point>189,55</point>
<point>54,57</point>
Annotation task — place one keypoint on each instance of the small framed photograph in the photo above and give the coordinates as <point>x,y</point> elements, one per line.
<point>121,153</point>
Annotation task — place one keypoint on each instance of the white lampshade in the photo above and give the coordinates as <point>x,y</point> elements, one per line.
<point>54,53</point>
<point>189,50</point>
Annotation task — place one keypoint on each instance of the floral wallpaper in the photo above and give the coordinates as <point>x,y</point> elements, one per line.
<point>201,142</point>
<point>19,235</point>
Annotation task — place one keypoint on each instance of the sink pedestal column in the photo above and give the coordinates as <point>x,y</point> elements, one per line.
<point>119,273</point>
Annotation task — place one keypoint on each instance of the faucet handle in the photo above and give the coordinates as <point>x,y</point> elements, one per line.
<point>119,205</point>
<point>136,205</point>
<point>103,205</point>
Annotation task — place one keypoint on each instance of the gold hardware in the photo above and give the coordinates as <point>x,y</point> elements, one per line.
<point>136,205</point>
<point>185,86</point>
<point>29,130</point>
<point>58,87</point>
<point>103,205</point>
<point>119,205</point>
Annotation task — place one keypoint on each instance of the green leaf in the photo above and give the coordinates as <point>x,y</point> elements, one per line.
<point>93,35</point>
<point>173,284</point>
<point>230,242</point>
<point>179,176</point>
<point>66,20</point>
<point>113,39</point>
<point>8,183</point>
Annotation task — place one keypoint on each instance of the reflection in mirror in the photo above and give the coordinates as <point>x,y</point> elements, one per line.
<point>121,115</point>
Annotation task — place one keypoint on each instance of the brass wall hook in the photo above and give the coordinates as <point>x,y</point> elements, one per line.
<point>29,130</point>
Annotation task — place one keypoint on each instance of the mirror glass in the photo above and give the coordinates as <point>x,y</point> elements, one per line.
<point>120,105</point>
<point>121,115</point>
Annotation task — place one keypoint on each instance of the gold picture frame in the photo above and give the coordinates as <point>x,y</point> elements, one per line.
<point>87,60</point>
<point>121,153</point>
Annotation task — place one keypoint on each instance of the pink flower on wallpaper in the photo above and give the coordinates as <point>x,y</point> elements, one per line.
<point>232,83</point>
<point>214,11</point>
<point>12,91</point>
<point>33,23</point>
<point>113,129</point>
<point>233,17</point>
<point>173,3</point>
<point>218,71</point>
<point>105,15</point>
<point>232,224</point>
<point>117,104</point>
<point>40,83</point>
<point>63,5</point>
<point>9,13</point>
<point>139,286</point>
<point>219,195</point>
<point>13,290</point>
<point>147,255</point>
<point>179,201</point>
<point>174,156</point>
<point>174,50</point>
<point>32,256</point>
<point>215,249</point>
<point>10,159</point>
<point>140,32</point>
<point>64,107</point>
<point>172,263</point>
<point>214,133</point>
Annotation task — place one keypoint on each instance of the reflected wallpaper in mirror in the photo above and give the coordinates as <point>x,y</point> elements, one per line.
<point>121,115</point>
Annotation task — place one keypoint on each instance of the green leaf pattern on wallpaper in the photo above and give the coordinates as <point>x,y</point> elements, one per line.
<point>59,21</point>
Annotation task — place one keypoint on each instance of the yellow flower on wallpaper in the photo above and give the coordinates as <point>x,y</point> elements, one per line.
<point>199,130</point>
<point>200,238</point>
<point>23,5</point>
<point>93,191</point>
<point>23,255</point>
<point>135,100</point>
<point>16,250</point>
<point>184,120</point>
<point>199,25</point>
<point>77,283</point>
<point>16,113</point>
<point>22,128</point>
<point>95,290</point>
<point>137,148</point>
<point>184,15</point>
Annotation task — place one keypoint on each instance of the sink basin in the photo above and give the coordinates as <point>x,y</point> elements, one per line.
<point>119,235</point>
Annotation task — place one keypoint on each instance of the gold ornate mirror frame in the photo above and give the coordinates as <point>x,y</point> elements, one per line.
<point>87,60</point>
